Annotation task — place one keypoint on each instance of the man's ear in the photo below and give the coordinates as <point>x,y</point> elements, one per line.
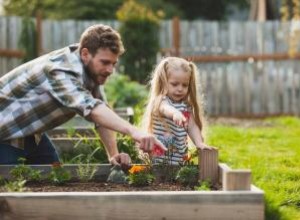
<point>85,55</point>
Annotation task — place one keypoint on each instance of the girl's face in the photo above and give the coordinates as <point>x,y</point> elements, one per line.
<point>178,85</point>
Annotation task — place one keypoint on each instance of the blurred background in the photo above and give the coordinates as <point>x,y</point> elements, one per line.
<point>246,51</point>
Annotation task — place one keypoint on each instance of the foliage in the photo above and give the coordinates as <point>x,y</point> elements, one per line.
<point>290,10</point>
<point>15,186</point>
<point>24,172</point>
<point>93,151</point>
<point>140,175</point>
<point>27,41</point>
<point>122,92</point>
<point>272,153</point>
<point>204,186</point>
<point>127,145</point>
<point>188,175</point>
<point>86,172</point>
<point>139,29</point>
<point>89,9</point>
<point>2,181</point>
<point>58,174</point>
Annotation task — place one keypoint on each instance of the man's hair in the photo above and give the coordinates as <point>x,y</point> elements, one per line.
<point>101,36</point>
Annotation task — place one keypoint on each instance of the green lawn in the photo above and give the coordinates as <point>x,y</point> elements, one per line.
<point>272,152</point>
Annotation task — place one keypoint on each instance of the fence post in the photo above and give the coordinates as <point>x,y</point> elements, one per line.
<point>208,165</point>
<point>39,33</point>
<point>176,35</point>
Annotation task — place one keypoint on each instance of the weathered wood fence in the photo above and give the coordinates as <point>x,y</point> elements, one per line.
<point>244,66</point>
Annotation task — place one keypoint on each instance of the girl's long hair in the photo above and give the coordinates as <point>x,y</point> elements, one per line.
<point>158,89</point>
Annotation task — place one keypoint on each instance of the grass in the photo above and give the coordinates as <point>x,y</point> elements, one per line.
<point>272,153</point>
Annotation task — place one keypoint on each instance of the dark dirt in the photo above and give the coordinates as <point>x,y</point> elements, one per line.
<point>99,187</point>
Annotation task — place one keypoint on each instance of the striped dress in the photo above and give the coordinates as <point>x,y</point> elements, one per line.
<point>171,135</point>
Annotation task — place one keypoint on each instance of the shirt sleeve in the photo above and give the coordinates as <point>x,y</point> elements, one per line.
<point>67,88</point>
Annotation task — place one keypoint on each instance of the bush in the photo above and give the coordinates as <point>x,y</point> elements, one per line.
<point>122,92</point>
<point>139,29</point>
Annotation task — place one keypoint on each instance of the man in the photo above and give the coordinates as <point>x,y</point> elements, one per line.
<point>50,90</point>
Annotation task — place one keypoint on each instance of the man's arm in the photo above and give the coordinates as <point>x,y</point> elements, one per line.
<point>105,117</point>
<point>108,138</point>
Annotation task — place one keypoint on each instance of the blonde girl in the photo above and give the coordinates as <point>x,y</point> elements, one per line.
<point>174,108</point>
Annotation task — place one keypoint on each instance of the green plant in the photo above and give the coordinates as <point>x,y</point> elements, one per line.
<point>58,174</point>
<point>188,175</point>
<point>204,186</point>
<point>86,171</point>
<point>2,181</point>
<point>139,28</point>
<point>27,41</point>
<point>140,175</point>
<point>15,186</point>
<point>24,172</point>
<point>121,91</point>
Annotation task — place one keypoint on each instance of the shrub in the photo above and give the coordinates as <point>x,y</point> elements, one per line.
<point>58,174</point>
<point>188,175</point>
<point>139,29</point>
<point>24,172</point>
<point>140,176</point>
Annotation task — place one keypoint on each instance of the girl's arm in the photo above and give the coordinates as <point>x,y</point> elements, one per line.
<point>195,134</point>
<point>172,113</point>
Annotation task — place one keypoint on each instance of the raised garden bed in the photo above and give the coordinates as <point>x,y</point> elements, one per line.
<point>237,199</point>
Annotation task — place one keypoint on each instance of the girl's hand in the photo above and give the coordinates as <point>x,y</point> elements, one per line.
<point>205,147</point>
<point>179,119</point>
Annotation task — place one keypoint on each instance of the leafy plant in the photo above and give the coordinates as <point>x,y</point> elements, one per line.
<point>204,186</point>
<point>188,175</point>
<point>121,91</point>
<point>140,176</point>
<point>2,181</point>
<point>86,171</point>
<point>24,172</point>
<point>27,39</point>
<point>15,186</point>
<point>58,174</point>
<point>139,28</point>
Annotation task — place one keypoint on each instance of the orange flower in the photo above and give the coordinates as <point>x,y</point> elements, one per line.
<point>136,169</point>
<point>187,157</point>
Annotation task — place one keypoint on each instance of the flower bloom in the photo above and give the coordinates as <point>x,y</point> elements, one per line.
<point>186,114</point>
<point>136,169</point>
<point>157,151</point>
<point>187,157</point>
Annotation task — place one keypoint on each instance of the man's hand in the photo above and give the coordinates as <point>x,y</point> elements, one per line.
<point>147,141</point>
<point>121,159</point>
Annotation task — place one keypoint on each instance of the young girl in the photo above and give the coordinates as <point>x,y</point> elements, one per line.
<point>173,110</point>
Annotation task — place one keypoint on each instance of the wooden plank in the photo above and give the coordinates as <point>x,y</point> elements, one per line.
<point>132,205</point>
<point>236,180</point>
<point>208,165</point>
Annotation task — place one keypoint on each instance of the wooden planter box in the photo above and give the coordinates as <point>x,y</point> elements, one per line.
<point>231,204</point>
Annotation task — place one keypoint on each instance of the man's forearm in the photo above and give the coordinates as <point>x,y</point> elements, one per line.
<point>105,117</point>
<point>108,139</point>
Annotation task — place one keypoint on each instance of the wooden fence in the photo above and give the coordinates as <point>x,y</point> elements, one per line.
<point>244,66</point>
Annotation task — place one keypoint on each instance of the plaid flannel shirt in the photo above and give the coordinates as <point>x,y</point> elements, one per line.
<point>44,93</point>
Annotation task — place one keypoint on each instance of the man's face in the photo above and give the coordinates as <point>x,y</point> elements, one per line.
<point>101,65</point>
